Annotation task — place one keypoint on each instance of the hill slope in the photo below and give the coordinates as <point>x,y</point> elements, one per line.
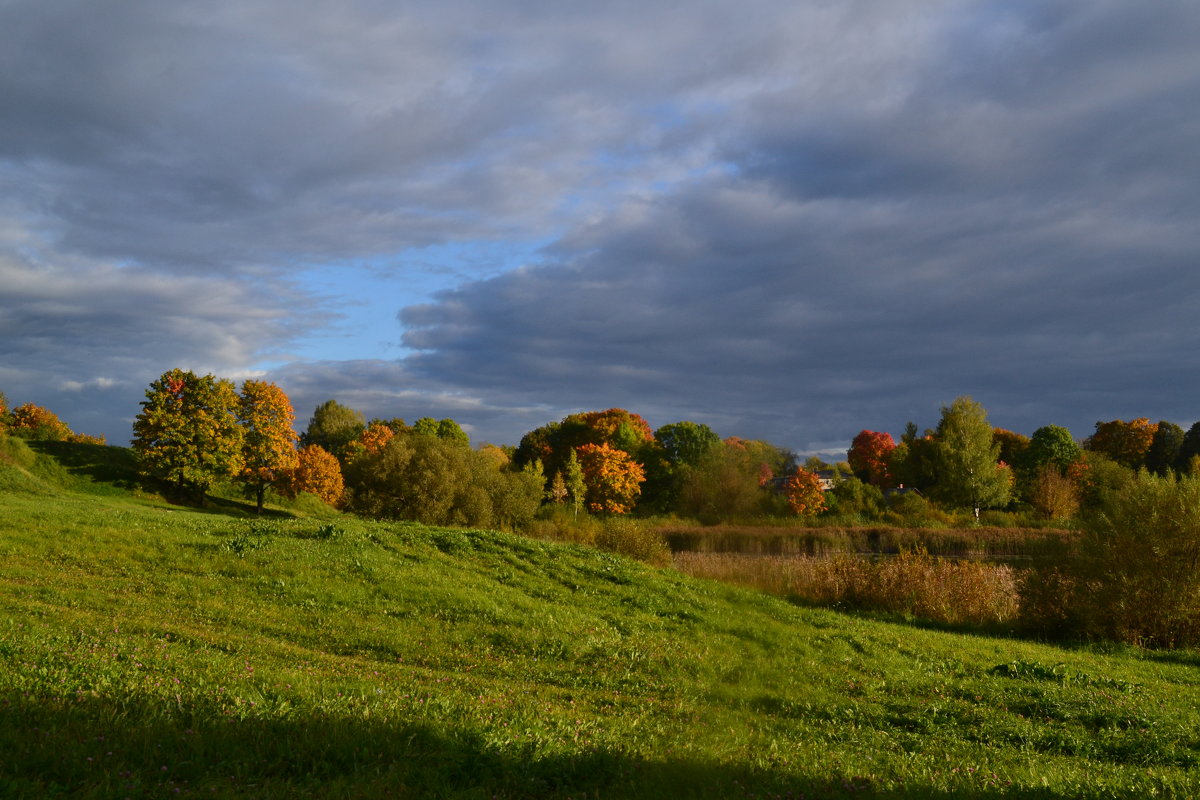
<point>147,650</point>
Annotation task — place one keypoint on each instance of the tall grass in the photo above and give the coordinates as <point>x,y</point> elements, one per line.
<point>957,542</point>
<point>913,583</point>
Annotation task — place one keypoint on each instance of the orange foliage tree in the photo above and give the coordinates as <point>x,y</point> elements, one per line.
<point>373,439</point>
<point>869,456</point>
<point>317,472</point>
<point>1124,442</point>
<point>553,443</point>
<point>804,494</point>
<point>34,422</point>
<point>268,437</point>
<point>613,479</point>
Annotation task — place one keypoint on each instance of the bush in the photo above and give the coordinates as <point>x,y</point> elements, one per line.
<point>1137,571</point>
<point>633,538</point>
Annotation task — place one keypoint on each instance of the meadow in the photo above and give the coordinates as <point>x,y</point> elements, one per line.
<point>149,650</point>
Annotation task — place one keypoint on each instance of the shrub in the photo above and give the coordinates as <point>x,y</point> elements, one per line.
<point>558,523</point>
<point>1138,565</point>
<point>633,538</point>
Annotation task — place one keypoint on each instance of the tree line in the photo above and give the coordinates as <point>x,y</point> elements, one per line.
<point>195,430</point>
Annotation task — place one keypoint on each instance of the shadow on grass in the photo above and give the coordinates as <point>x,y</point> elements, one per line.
<point>99,747</point>
<point>100,463</point>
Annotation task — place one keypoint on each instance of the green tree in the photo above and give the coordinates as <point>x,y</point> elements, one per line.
<point>966,457</point>
<point>187,433</point>
<point>1188,449</point>
<point>1051,444</point>
<point>1165,446</point>
<point>440,482</point>
<point>686,442</point>
<point>268,438</point>
<point>446,429</point>
<point>333,427</point>
<point>676,447</point>
<point>572,473</point>
<point>727,484</point>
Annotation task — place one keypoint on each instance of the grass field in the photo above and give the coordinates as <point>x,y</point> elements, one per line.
<point>153,651</point>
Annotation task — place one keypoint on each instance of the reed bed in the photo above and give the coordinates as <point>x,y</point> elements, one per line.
<point>915,584</point>
<point>981,542</point>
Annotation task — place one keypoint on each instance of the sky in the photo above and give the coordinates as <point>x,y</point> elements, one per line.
<point>788,220</point>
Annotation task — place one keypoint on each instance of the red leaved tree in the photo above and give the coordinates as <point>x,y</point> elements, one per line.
<point>869,457</point>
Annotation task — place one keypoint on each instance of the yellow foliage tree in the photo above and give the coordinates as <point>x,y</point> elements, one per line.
<point>268,436</point>
<point>34,422</point>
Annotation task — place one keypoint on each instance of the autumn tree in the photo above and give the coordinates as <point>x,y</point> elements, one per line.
<point>268,438</point>
<point>187,433</point>
<point>333,427</point>
<point>612,477</point>
<point>1054,493</point>
<point>966,456</point>
<point>374,438</point>
<point>317,472</point>
<point>497,455</point>
<point>552,443</point>
<point>804,493</point>
<point>869,457</point>
<point>1124,442</point>
<point>31,421</point>
<point>1012,445</point>
<point>558,492</point>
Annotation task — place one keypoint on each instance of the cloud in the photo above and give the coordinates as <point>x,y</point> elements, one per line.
<point>786,220</point>
<point>861,266</point>
<point>85,338</point>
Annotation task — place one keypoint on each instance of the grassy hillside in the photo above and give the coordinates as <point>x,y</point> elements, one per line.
<point>152,651</point>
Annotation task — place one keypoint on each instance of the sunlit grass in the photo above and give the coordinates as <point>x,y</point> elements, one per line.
<point>152,651</point>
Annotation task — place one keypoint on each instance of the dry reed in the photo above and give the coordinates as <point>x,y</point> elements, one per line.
<point>912,583</point>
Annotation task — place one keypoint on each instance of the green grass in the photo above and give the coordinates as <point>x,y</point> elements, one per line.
<point>153,651</point>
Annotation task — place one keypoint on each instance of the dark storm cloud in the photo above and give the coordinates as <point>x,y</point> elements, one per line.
<point>1021,230</point>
